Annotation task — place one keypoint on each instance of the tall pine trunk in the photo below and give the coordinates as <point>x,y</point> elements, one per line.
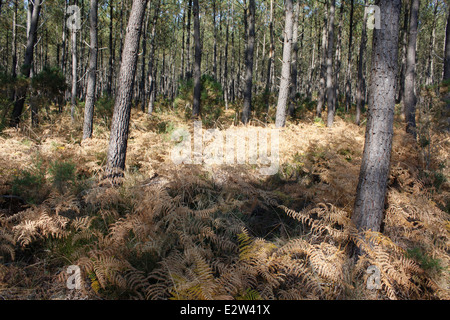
<point>294,61</point>
<point>410,76</point>
<point>360,84</point>
<point>249,62</point>
<point>348,76</point>
<point>117,148</point>
<point>197,62</point>
<point>28,61</point>
<point>374,173</point>
<point>447,50</point>
<point>331,91</point>
<point>151,63</point>
<point>283,93</point>
<point>322,81</point>
<point>73,97</point>
<point>271,58</point>
<point>92,76</point>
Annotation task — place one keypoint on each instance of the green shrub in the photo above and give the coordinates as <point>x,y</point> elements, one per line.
<point>104,108</point>
<point>426,262</point>
<point>212,104</point>
<point>29,184</point>
<point>63,175</point>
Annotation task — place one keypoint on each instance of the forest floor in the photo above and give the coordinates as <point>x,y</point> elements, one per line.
<point>217,231</point>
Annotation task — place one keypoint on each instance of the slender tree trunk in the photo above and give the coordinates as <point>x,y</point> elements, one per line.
<point>447,50</point>
<point>331,92</point>
<point>294,61</point>
<point>215,42</point>
<point>142,99</point>
<point>348,76</point>
<point>73,100</point>
<point>322,81</point>
<point>14,49</point>
<point>373,177</point>
<point>92,76</point>
<point>28,61</point>
<point>431,52</point>
<point>271,57</point>
<point>246,111</point>
<point>14,41</point>
<point>410,77</point>
<point>404,35</point>
<point>360,85</point>
<point>446,76</point>
<point>188,73</point>
<point>197,62</point>
<point>283,94</point>
<point>225,67</point>
<point>121,117</point>
<point>109,82</point>
<point>151,63</point>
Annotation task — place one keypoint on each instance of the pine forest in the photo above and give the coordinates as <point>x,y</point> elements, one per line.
<point>224,150</point>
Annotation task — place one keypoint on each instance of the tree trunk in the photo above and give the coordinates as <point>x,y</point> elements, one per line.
<point>92,76</point>
<point>249,62</point>
<point>188,73</point>
<point>271,57</point>
<point>283,94</point>
<point>410,76</point>
<point>360,84</point>
<point>28,61</point>
<point>121,117</point>
<point>446,76</point>
<point>431,52</point>
<point>348,76</point>
<point>215,41</point>
<point>109,82</point>
<point>322,91</point>
<point>151,64</point>
<point>294,61</point>
<point>142,98</point>
<point>225,67</point>
<point>374,173</point>
<point>447,50</point>
<point>331,92</point>
<point>404,35</point>
<point>197,62</point>
<point>73,98</point>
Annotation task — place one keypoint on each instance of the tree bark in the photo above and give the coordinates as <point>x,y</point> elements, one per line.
<point>294,61</point>
<point>109,82</point>
<point>188,72</point>
<point>28,61</point>
<point>271,57</point>
<point>360,84</point>
<point>331,92</point>
<point>92,77</point>
<point>447,50</point>
<point>404,35</point>
<point>246,111</point>
<point>151,64</point>
<point>117,148</point>
<point>322,84</point>
<point>431,52</point>
<point>348,76</point>
<point>73,97</point>
<point>374,173</point>
<point>283,94</point>
<point>197,62</point>
<point>410,76</point>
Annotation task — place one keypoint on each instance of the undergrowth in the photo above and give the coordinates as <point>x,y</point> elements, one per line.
<point>216,232</point>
